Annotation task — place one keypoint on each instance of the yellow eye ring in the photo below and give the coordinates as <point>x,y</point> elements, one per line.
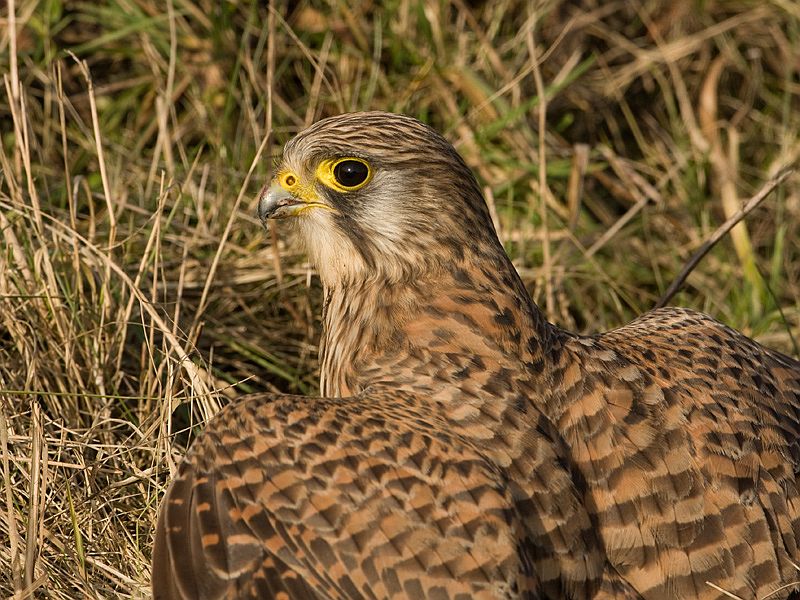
<point>345,174</point>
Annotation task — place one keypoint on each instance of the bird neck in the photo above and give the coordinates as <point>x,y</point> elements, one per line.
<point>463,324</point>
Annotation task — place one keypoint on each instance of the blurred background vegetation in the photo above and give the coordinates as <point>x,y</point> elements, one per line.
<point>138,293</point>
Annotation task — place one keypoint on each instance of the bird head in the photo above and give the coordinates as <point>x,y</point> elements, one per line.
<point>378,195</point>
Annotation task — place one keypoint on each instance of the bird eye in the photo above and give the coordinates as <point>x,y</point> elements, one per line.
<point>350,173</point>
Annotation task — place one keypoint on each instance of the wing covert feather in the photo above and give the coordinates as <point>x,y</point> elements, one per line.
<point>368,503</point>
<point>687,433</point>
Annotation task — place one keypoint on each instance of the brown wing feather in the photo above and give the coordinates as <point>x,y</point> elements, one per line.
<point>317,499</point>
<point>191,559</point>
<point>687,433</point>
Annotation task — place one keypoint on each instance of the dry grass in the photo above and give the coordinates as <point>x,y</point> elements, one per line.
<point>138,293</point>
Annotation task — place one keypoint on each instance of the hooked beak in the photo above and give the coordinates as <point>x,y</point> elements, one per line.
<point>275,202</point>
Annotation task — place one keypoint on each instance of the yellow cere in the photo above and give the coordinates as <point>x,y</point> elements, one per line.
<point>296,187</point>
<point>288,180</point>
<point>325,174</point>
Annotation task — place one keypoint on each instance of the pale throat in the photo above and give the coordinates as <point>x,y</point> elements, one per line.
<point>329,250</point>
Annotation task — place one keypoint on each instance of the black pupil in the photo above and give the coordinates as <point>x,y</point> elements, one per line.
<point>350,173</point>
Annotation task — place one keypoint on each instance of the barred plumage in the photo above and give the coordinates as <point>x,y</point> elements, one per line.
<point>466,448</point>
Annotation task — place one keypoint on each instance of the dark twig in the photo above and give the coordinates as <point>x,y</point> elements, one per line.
<point>721,231</point>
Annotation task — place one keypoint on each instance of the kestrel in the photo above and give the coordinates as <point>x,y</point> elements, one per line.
<point>465,448</point>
